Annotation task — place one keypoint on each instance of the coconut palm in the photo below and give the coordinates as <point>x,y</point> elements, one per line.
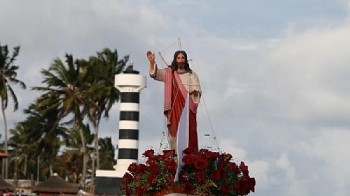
<point>39,135</point>
<point>68,164</point>
<point>106,149</point>
<point>66,83</point>
<point>102,69</point>
<point>8,77</point>
<point>23,146</point>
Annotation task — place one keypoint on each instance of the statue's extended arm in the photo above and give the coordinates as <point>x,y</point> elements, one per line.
<point>152,63</point>
<point>154,72</point>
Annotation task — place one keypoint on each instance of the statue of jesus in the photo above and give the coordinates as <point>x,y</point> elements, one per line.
<point>179,82</point>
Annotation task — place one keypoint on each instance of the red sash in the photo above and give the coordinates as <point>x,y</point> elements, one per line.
<point>174,101</point>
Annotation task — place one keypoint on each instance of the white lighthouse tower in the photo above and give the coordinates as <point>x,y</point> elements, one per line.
<point>130,84</point>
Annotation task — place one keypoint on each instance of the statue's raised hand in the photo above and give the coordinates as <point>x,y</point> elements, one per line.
<point>151,57</point>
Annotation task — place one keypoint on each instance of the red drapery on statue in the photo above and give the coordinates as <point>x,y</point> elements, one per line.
<point>174,102</point>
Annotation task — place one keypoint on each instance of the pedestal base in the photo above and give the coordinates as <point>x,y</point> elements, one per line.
<point>108,186</point>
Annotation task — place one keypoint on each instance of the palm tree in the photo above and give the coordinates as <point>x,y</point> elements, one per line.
<point>101,70</point>
<point>68,164</point>
<point>8,76</point>
<point>107,153</point>
<point>38,135</point>
<point>66,83</point>
<point>23,146</point>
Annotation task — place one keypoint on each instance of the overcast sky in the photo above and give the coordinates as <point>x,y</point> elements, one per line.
<point>274,75</point>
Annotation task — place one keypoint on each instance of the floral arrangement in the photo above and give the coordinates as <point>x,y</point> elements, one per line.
<point>203,173</point>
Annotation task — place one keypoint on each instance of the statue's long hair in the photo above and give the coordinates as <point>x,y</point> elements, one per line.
<point>174,65</point>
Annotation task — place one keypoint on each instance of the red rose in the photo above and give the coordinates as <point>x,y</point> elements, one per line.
<point>187,159</point>
<point>210,155</point>
<point>168,153</point>
<point>189,150</point>
<point>238,187</point>
<point>140,190</point>
<point>151,178</point>
<point>169,181</point>
<point>132,167</point>
<point>170,165</point>
<point>244,168</point>
<point>233,167</point>
<point>223,174</point>
<point>154,167</point>
<point>199,176</point>
<point>225,188</point>
<point>184,177</point>
<point>141,167</point>
<point>215,175</point>
<point>245,184</point>
<point>201,163</point>
<point>251,184</point>
<point>128,191</point>
<point>213,155</point>
<point>222,164</point>
<point>189,187</point>
<point>127,176</point>
<point>148,153</point>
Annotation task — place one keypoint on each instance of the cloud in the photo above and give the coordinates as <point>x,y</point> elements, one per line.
<point>346,3</point>
<point>329,150</point>
<point>305,76</point>
<point>310,68</point>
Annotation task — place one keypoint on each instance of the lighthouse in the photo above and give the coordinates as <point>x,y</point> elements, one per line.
<point>129,83</point>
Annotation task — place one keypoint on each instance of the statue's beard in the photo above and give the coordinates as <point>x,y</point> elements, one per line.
<point>181,65</point>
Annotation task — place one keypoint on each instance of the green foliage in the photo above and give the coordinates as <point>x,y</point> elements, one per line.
<point>107,150</point>
<point>75,93</point>
<point>8,75</point>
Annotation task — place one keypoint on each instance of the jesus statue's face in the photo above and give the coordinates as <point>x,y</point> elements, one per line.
<point>180,60</point>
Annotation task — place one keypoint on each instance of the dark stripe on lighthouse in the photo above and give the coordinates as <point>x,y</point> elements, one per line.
<point>129,134</point>
<point>130,97</point>
<point>129,115</point>
<point>128,153</point>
